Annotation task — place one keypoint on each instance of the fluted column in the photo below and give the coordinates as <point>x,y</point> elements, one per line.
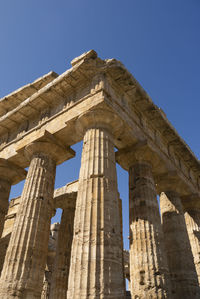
<point>52,247</point>
<point>5,186</point>
<point>60,274</point>
<point>96,269</point>
<point>9,174</point>
<point>149,274</point>
<point>148,266</point>
<point>180,260</point>
<point>23,271</point>
<point>192,219</point>
<point>122,243</point>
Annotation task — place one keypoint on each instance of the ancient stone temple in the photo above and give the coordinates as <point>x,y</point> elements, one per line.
<point>100,102</point>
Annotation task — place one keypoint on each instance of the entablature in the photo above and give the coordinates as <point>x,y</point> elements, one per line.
<point>106,84</point>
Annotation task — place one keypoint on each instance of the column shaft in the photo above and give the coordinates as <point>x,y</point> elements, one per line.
<point>192,219</point>
<point>179,255</point>
<point>148,264</point>
<point>5,186</point>
<point>10,173</point>
<point>122,245</point>
<point>23,270</point>
<point>96,269</point>
<point>52,248</point>
<point>60,274</point>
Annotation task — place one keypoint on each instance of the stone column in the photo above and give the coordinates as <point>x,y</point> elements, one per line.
<point>52,247</point>
<point>122,243</point>
<point>180,260</point>
<point>60,273</point>
<point>149,274</point>
<point>192,219</point>
<point>5,185</point>
<point>7,229</point>
<point>10,174</point>
<point>23,271</point>
<point>96,269</point>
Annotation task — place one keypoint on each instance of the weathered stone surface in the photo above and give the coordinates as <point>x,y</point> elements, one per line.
<point>26,254</point>
<point>61,265</point>
<point>4,194</point>
<point>52,248</point>
<point>180,260</point>
<point>12,100</point>
<point>149,276</point>
<point>9,174</point>
<point>100,100</point>
<point>7,229</point>
<point>192,219</point>
<point>122,245</point>
<point>126,264</point>
<point>25,259</point>
<point>89,83</point>
<point>63,197</point>
<point>96,268</point>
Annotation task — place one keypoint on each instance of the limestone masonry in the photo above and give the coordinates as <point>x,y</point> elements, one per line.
<point>100,102</point>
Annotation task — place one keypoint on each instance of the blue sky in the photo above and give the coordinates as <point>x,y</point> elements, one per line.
<point>157,40</point>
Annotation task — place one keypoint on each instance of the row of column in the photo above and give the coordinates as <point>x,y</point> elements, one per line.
<point>161,250</point>
<point>182,269</point>
<point>96,260</point>
<point>161,260</point>
<point>151,261</point>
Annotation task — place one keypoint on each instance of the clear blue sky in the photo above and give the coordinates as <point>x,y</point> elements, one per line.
<point>157,40</point>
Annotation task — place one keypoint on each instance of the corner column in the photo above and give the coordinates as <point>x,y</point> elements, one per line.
<point>23,271</point>
<point>149,274</point>
<point>96,269</point>
<point>179,255</point>
<point>10,174</point>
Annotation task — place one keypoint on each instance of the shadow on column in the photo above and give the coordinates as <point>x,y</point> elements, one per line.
<point>177,244</point>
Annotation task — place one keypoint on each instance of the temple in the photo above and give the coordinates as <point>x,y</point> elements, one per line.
<point>82,257</point>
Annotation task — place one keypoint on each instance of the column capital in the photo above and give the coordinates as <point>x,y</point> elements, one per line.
<point>137,153</point>
<point>11,172</point>
<point>49,145</point>
<point>65,201</point>
<point>65,197</point>
<point>170,202</point>
<point>99,118</point>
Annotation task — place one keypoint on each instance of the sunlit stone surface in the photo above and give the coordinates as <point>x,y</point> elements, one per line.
<point>100,102</point>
